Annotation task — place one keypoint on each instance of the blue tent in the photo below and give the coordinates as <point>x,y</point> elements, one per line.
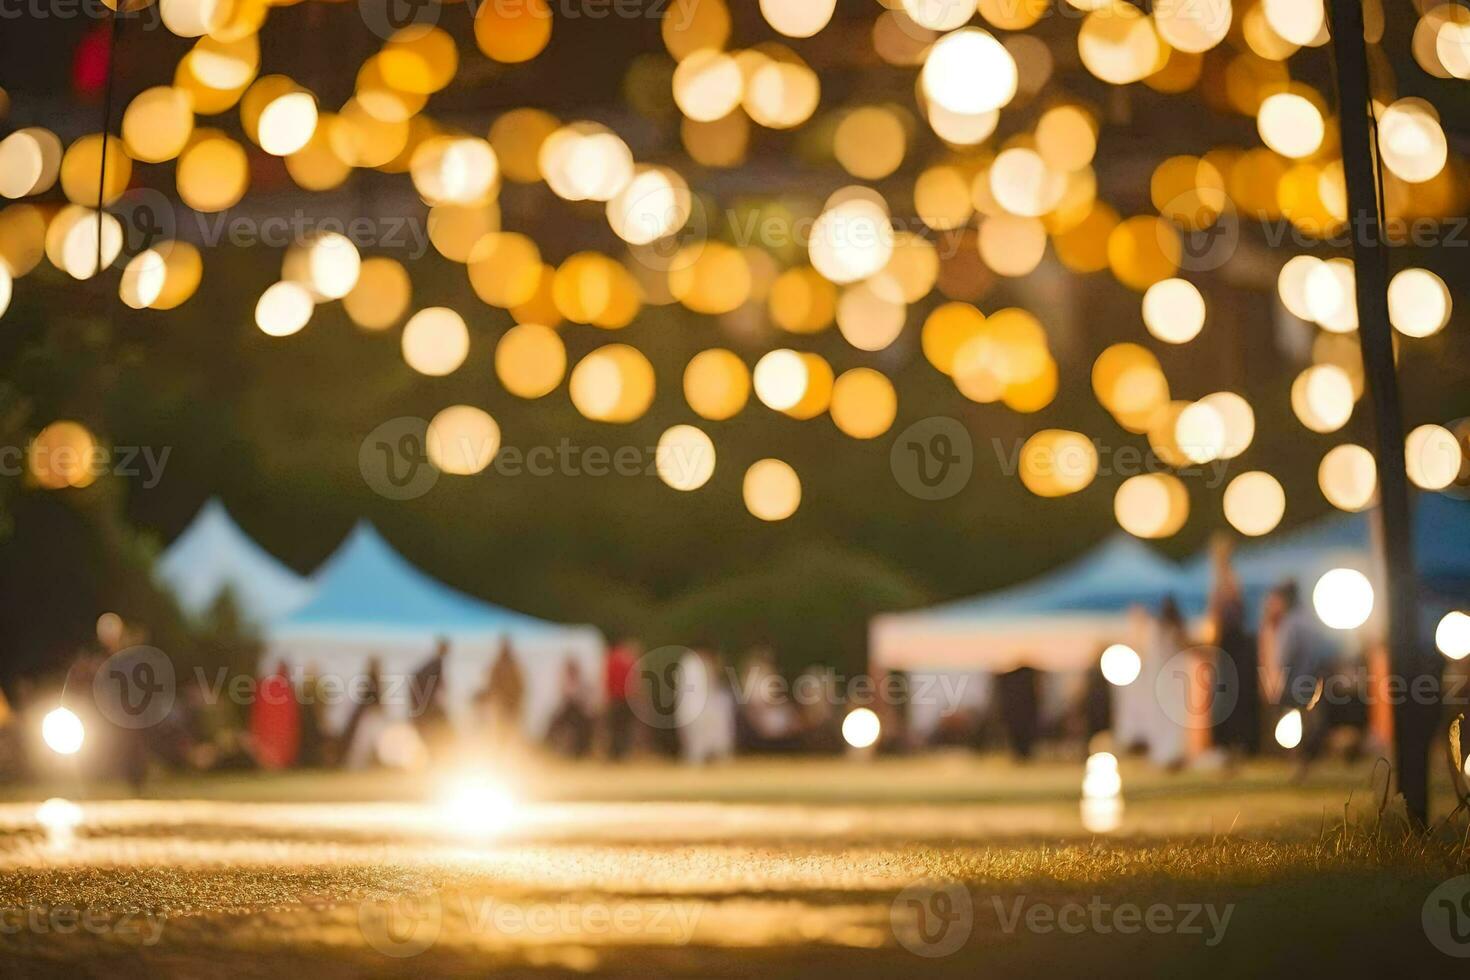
<point>213,555</point>
<point>370,604</point>
<point>1442,543</point>
<point>1058,621</point>
<point>366,585</point>
<point>1441,548</point>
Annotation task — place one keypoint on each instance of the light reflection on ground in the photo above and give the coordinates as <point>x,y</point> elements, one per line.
<point>698,888</point>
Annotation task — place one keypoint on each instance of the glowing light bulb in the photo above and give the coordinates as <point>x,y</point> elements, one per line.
<point>63,732</point>
<point>861,728</point>
<point>1343,598</point>
<point>1121,665</point>
<point>1452,635</point>
<point>1289,729</point>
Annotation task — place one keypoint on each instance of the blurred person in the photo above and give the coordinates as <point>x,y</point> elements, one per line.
<point>767,721</point>
<point>429,718</point>
<point>1235,718</point>
<point>1168,740</point>
<point>1096,709</point>
<point>891,704</point>
<point>213,738</point>
<point>1303,662</point>
<point>705,712</point>
<point>1020,706</point>
<point>618,717</point>
<point>275,721</point>
<point>1133,705</point>
<point>313,732</point>
<point>1268,647</point>
<point>368,721</point>
<point>821,729</point>
<point>500,704</point>
<point>114,751</point>
<point>571,729</point>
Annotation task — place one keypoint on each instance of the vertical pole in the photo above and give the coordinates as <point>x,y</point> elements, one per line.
<point>1392,531</point>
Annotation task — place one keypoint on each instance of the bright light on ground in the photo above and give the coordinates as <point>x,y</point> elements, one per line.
<point>1102,816</point>
<point>63,732</point>
<point>1452,636</point>
<point>476,805</point>
<point>1121,665</point>
<point>861,728</point>
<point>1289,729</point>
<point>1102,781</point>
<point>59,818</point>
<point>1343,598</point>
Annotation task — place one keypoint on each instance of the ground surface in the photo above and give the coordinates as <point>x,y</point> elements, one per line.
<point>945,866</point>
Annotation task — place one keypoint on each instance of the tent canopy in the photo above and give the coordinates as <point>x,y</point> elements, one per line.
<point>1061,620</point>
<point>213,555</point>
<point>370,604</point>
<point>1441,550</point>
<point>367,586</point>
<point>1058,621</point>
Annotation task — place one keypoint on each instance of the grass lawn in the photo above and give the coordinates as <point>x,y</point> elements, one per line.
<point>949,865</point>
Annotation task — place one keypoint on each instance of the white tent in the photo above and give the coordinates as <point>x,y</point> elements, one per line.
<point>368,602</point>
<point>213,555</point>
<point>1058,622</point>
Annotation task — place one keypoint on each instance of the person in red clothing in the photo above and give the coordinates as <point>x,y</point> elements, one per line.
<point>275,721</point>
<point>618,675</point>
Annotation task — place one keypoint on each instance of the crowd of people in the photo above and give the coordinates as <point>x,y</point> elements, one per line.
<point>1208,690</point>
<point>284,721</point>
<point>1218,692</point>
<point>1204,690</point>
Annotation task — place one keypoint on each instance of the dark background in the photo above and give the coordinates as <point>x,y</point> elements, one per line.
<point>273,426</point>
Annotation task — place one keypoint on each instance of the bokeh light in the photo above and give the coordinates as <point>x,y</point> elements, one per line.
<point>716,384</point>
<point>1418,303</point>
<point>969,71</point>
<point>1057,462</point>
<point>1452,635</point>
<point>864,403</point>
<point>284,309</point>
<point>1432,456</point>
<point>1348,477</point>
<point>1121,665</point>
<point>685,457</point>
<point>62,731</point>
<point>1254,503</point>
<point>861,728</point>
<point>1151,505</point>
<point>435,341</point>
<point>381,295</point>
<point>1343,598</point>
<point>530,360</point>
<point>771,489</point>
<point>614,383</point>
<point>1174,311</point>
<point>462,440</point>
